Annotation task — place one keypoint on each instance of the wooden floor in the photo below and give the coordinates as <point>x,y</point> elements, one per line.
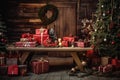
<point>56,75</point>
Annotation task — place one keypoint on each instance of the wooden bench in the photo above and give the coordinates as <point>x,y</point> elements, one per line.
<point>73,51</point>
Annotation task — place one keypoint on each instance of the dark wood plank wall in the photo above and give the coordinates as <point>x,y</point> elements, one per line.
<point>22,17</point>
<point>66,22</point>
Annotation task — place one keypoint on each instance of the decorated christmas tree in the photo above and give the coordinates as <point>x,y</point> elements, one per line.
<point>106,34</point>
<point>2,35</point>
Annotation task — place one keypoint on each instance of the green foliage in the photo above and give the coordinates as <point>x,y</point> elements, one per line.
<point>106,35</point>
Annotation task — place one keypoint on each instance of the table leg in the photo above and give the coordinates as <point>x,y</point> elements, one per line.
<point>24,57</point>
<point>77,60</point>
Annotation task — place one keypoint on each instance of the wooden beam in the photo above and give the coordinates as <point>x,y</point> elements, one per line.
<point>77,60</point>
<point>24,57</point>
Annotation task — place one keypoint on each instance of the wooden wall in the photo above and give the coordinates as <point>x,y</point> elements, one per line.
<point>22,16</point>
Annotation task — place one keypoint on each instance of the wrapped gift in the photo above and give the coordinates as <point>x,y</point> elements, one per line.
<point>13,70</point>
<point>3,70</point>
<point>25,44</point>
<point>26,39</point>
<point>105,60</point>
<point>41,30</point>
<point>40,38</point>
<point>105,69</point>
<point>65,43</point>
<point>70,39</point>
<point>26,35</point>
<point>40,66</point>
<point>90,53</point>
<point>11,61</point>
<point>116,63</point>
<point>79,44</point>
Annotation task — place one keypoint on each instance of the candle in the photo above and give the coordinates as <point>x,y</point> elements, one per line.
<point>59,42</point>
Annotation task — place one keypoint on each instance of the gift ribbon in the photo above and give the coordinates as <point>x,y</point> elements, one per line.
<point>41,38</point>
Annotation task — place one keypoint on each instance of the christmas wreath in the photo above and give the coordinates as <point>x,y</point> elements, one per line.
<point>43,14</point>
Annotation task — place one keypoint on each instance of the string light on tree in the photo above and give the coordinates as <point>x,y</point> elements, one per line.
<point>95,30</point>
<point>102,6</point>
<point>103,14</point>
<point>105,39</point>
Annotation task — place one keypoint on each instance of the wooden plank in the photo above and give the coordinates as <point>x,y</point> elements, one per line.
<point>54,76</point>
<point>20,29</point>
<point>23,78</point>
<point>31,5</point>
<point>34,20</point>
<point>33,77</point>
<point>25,20</point>
<point>50,49</point>
<point>24,57</point>
<point>43,76</point>
<point>28,15</point>
<point>28,10</point>
<point>65,76</point>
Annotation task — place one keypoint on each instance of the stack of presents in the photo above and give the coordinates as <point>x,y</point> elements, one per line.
<point>9,65</point>
<point>109,65</point>
<point>43,37</point>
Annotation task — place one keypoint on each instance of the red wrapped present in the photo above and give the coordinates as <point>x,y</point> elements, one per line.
<point>48,43</point>
<point>70,39</point>
<point>26,35</point>
<point>41,30</point>
<point>79,44</point>
<point>116,63</point>
<point>65,43</point>
<point>40,38</point>
<point>25,44</point>
<point>13,70</point>
<point>40,66</point>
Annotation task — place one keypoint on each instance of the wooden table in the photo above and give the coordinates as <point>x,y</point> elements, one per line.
<point>73,51</point>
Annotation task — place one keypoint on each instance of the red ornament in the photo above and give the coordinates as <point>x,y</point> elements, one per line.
<point>108,12</point>
<point>113,42</point>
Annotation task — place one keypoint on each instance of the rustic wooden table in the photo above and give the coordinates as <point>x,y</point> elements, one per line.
<point>73,51</point>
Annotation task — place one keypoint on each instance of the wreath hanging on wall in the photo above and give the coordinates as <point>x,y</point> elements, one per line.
<point>48,14</point>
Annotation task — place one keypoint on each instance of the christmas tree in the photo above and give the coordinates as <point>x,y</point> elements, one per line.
<point>106,34</point>
<point>2,35</point>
